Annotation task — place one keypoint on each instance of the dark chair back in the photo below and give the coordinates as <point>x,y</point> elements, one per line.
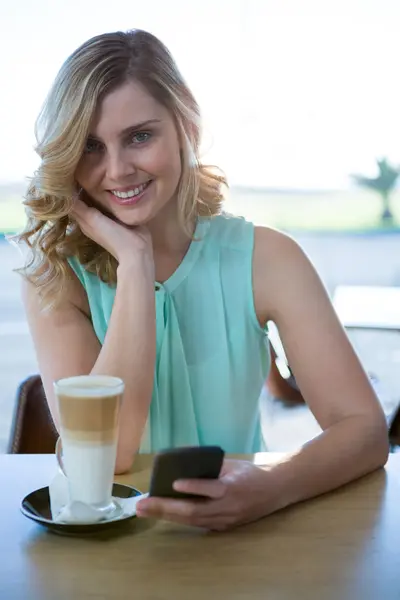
<point>285,390</point>
<point>394,428</point>
<point>32,428</point>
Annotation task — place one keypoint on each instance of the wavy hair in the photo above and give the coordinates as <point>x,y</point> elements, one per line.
<point>97,67</point>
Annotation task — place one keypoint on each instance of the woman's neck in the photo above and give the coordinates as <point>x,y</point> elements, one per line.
<point>167,233</point>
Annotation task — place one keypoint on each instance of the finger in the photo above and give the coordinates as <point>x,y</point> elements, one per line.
<point>219,523</point>
<point>209,523</point>
<point>211,488</point>
<point>174,512</point>
<point>79,208</point>
<point>88,217</point>
<point>176,518</point>
<point>188,511</point>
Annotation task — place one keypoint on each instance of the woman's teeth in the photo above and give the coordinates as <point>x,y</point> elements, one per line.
<point>131,193</point>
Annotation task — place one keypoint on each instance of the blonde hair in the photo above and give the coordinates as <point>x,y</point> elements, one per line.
<point>96,68</point>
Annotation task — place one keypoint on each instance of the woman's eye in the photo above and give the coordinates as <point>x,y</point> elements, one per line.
<point>92,146</point>
<point>140,137</point>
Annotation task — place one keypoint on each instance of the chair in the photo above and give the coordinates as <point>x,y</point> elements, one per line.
<point>32,429</point>
<point>394,429</point>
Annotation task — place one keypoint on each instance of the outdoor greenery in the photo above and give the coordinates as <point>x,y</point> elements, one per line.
<point>384,184</point>
<point>352,210</point>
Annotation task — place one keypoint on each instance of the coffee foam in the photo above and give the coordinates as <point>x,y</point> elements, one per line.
<point>89,386</point>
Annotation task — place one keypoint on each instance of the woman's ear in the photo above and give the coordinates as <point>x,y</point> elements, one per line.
<point>78,188</point>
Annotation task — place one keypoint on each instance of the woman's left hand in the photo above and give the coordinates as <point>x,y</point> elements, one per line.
<point>241,494</point>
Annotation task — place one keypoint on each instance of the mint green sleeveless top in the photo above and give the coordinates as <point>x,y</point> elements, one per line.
<point>212,355</point>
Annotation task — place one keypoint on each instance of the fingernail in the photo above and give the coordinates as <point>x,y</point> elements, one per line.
<point>179,485</point>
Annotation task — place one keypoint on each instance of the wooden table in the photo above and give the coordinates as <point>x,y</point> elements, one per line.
<point>341,546</point>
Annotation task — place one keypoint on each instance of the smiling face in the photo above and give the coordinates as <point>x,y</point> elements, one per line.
<point>131,165</point>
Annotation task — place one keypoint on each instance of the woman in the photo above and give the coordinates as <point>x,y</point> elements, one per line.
<point>136,272</point>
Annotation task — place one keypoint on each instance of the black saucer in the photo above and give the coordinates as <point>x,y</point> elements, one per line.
<point>36,506</point>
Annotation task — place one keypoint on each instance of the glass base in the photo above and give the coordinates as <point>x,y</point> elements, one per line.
<point>79,512</point>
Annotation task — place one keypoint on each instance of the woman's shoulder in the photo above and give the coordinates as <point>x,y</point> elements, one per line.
<point>266,236</point>
<point>267,241</point>
<point>73,293</point>
<point>274,247</point>
<point>232,230</point>
<point>280,269</point>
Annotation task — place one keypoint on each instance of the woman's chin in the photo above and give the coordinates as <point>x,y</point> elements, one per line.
<point>128,220</point>
<point>127,223</point>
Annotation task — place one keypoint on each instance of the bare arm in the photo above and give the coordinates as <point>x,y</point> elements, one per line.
<point>327,370</point>
<point>354,440</point>
<point>66,344</point>
<point>129,353</point>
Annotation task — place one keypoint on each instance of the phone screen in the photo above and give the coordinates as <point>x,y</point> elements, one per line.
<point>203,462</point>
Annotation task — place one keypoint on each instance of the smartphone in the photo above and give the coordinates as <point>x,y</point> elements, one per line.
<point>191,462</point>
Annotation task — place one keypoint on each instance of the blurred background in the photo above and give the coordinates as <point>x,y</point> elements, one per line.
<point>301,110</point>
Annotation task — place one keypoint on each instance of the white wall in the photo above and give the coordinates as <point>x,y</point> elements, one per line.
<point>294,93</point>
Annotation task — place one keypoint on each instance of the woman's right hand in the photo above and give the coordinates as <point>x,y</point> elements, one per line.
<point>123,243</point>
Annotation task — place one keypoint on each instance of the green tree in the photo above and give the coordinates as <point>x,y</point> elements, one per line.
<point>383,184</point>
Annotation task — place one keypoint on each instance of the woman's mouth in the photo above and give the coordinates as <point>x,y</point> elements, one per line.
<point>129,196</point>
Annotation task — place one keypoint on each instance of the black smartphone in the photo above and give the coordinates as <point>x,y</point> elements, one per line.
<point>191,462</point>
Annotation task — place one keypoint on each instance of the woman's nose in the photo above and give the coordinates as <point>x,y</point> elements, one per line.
<point>118,167</point>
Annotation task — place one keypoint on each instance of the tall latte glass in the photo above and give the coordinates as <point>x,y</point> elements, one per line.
<point>88,409</point>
